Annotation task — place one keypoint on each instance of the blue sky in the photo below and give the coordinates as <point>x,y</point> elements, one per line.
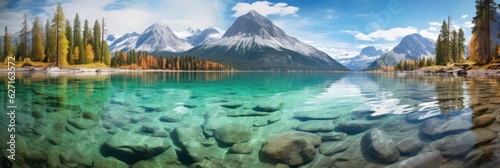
<point>334,26</point>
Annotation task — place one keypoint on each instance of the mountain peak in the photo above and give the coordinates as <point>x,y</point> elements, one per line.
<point>254,24</point>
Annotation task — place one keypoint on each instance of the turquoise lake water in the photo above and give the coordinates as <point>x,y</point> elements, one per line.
<point>178,119</point>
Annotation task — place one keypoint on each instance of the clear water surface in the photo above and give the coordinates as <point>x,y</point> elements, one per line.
<point>133,118</point>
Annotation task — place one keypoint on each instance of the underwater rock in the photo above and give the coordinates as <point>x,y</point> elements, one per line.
<point>316,126</point>
<point>86,121</point>
<point>293,148</point>
<point>331,148</point>
<point>172,118</point>
<point>152,107</point>
<point>246,113</point>
<point>268,107</point>
<point>437,126</point>
<point>333,136</point>
<point>488,156</point>
<point>410,145</point>
<point>274,118</point>
<point>190,106</point>
<point>241,148</point>
<point>260,122</point>
<point>194,142</point>
<point>281,165</point>
<point>316,115</point>
<point>209,164</point>
<point>211,124</point>
<point>432,159</point>
<point>109,162</point>
<point>160,133</point>
<point>134,145</point>
<point>460,144</point>
<point>233,133</point>
<point>150,129</point>
<point>321,161</point>
<point>354,126</point>
<point>483,120</point>
<point>71,129</point>
<point>167,159</point>
<point>232,105</point>
<point>381,145</point>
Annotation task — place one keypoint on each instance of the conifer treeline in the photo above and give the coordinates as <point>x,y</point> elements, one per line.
<point>409,65</point>
<point>59,42</point>
<point>450,45</point>
<point>142,60</point>
<point>481,49</point>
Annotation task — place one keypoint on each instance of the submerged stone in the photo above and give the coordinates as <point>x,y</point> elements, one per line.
<point>333,136</point>
<point>172,118</point>
<point>82,123</point>
<point>410,145</point>
<point>461,144</point>
<point>354,126</point>
<point>488,156</point>
<point>483,120</point>
<point>232,105</point>
<point>316,115</point>
<point>246,113</point>
<point>152,107</point>
<point>241,148</point>
<point>380,144</point>
<point>438,126</point>
<point>428,160</point>
<point>109,162</point>
<point>293,148</point>
<point>316,126</point>
<point>132,145</point>
<point>233,133</point>
<point>268,107</point>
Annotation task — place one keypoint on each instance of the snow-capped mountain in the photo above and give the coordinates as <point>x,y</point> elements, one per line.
<point>125,42</point>
<point>157,38</point>
<point>110,39</point>
<point>413,46</point>
<point>207,35</point>
<point>364,59</point>
<point>254,42</point>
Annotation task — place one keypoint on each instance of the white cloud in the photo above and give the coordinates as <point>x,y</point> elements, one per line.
<point>464,16</point>
<point>265,8</point>
<point>389,35</point>
<point>428,34</point>
<point>432,28</point>
<point>138,15</point>
<point>468,24</point>
<point>434,23</point>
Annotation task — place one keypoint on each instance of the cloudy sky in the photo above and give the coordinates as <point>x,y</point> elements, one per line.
<point>333,26</point>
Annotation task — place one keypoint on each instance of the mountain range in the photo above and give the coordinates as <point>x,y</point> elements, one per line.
<point>413,46</point>
<point>254,42</point>
<point>364,59</point>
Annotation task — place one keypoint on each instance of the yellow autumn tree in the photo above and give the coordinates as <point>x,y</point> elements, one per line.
<point>73,59</point>
<point>90,53</point>
<point>473,46</point>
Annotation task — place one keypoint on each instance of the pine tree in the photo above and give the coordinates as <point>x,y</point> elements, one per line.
<point>50,43</point>
<point>439,51</point>
<point>484,16</point>
<point>23,45</point>
<point>58,26</point>
<point>96,40</point>
<point>86,40</point>
<point>461,45</point>
<point>75,55</point>
<point>454,46</point>
<point>69,36</point>
<point>106,54</point>
<point>37,42</point>
<point>7,48</point>
<point>77,35</point>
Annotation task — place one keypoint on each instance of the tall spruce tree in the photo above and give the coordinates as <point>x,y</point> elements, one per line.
<point>454,46</point>
<point>58,26</point>
<point>7,45</point>
<point>37,41</point>
<point>86,40</point>
<point>23,45</point>
<point>77,38</point>
<point>97,41</point>
<point>50,43</point>
<point>69,37</point>
<point>461,45</point>
<point>483,54</point>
